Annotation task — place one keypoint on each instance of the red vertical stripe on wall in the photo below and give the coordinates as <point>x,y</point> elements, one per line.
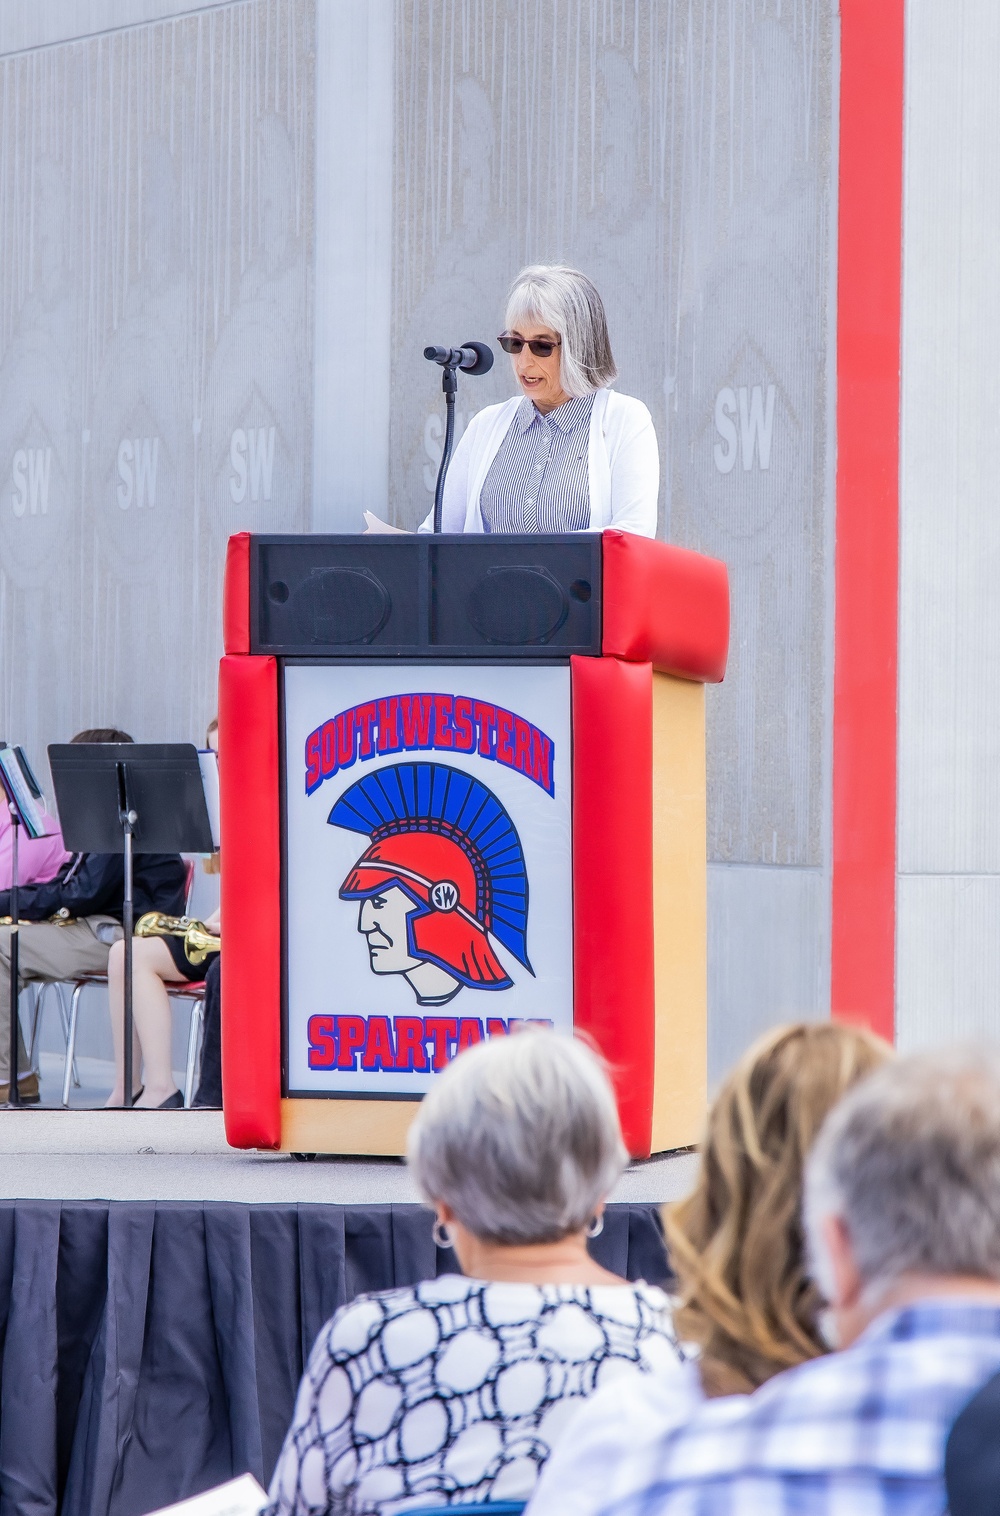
<point>868,345</point>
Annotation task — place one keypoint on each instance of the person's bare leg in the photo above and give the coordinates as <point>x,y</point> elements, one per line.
<point>152,969</point>
<point>116,1001</point>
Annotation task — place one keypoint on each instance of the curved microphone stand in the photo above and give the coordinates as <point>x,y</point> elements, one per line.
<point>472,358</point>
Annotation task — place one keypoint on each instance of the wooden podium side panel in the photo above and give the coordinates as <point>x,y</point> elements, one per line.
<point>680,913</point>
<point>356,1128</point>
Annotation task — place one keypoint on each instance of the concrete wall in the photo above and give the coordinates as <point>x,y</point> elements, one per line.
<point>156,221</point>
<point>227,232</point>
<point>948,900</point>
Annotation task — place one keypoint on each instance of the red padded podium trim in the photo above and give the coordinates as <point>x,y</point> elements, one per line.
<point>666,606</point>
<point>236,595</point>
<point>251,901</point>
<point>613,879</point>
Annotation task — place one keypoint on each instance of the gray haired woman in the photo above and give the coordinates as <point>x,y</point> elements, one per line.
<point>569,453</point>
<point>456,1389</point>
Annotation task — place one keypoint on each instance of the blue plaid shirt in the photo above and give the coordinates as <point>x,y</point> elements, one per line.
<point>857,1433</point>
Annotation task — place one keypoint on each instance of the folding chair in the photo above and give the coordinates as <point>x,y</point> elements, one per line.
<point>193,992</point>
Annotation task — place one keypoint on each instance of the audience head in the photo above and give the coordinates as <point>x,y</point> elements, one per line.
<point>736,1243</point>
<point>519,1138</point>
<point>903,1185</point>
<point>101,734</point>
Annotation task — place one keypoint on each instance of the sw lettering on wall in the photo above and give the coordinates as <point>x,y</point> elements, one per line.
<point>408,1044</point>
<point>753,409</point>
<point>251,455</point>
<point>434,444</point>
<point>138,461</point>
<point>422,722</point>
<point>31,472</point>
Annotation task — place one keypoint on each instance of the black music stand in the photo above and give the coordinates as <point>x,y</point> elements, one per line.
<point>23,798</point>
<point>132,798</point>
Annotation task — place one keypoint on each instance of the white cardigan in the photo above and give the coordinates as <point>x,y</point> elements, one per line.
<point>623,466</point>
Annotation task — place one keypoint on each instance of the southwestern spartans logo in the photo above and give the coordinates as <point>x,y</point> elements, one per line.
<point>442,881</point>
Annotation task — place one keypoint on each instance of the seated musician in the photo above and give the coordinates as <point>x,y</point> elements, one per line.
<point>157,962</point>
<point>72,920</point>
<point>38,858</point>
<point>569,453</point>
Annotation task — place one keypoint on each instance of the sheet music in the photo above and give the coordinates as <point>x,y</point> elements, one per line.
<point>209,761</point>
<point>375,526</point>
<point>14,772</point>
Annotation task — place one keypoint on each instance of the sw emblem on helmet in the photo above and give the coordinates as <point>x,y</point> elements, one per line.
<point>443,873</point>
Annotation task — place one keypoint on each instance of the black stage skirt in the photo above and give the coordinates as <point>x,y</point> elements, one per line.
<point>193,972</point>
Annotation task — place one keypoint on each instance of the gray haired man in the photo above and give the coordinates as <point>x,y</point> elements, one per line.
<point>903,1217</point>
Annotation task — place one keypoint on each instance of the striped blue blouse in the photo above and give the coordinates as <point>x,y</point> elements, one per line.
<point>538,481</point>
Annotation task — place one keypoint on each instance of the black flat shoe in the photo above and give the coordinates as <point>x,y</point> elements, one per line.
<point>174,1102</point>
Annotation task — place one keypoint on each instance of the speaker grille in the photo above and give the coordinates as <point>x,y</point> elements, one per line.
<point>517,606</point>
<point>341,606</point>
<point>496,597</point>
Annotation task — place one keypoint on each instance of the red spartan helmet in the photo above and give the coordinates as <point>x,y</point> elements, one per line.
<point>450,924</point>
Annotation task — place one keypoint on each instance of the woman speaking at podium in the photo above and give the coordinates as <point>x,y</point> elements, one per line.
<point>569,454</point>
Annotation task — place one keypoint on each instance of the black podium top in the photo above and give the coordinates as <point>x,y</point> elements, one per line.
<point>481,597</point>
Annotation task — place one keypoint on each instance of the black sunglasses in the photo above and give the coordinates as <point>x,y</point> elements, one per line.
<point>540,346</point>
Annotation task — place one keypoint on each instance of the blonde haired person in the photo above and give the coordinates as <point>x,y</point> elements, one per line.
<point>744,1300</point>
<point>454,1390</point>
<point>568,453</point>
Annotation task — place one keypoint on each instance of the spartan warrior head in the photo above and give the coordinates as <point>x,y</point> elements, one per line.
<point>442,875</point>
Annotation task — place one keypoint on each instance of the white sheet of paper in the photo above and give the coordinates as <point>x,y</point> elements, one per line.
<point>209,761</point>
<point>238,1497</point>
<point>374,525</point>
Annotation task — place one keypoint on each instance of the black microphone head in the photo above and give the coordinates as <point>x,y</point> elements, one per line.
<point>483,361</point>
<point>439,354</point>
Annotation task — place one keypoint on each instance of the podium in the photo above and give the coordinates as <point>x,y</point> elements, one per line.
<point>462,788</point>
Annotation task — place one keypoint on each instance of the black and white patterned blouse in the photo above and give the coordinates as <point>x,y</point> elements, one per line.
<point>455,1390</point>
<point>539,480</point>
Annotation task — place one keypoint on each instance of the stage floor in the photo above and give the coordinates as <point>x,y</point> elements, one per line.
<point>183,1155</point>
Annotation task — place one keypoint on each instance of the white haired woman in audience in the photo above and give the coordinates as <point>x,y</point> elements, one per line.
<point>568,454</point>
<point>455,1389</point>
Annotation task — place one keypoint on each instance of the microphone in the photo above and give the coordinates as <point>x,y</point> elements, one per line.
<point>471,357</point>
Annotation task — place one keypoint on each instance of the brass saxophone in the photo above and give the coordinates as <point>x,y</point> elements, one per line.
<point>198,940</point>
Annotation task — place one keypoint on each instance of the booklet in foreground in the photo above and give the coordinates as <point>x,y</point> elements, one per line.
<point>237,1497</point>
